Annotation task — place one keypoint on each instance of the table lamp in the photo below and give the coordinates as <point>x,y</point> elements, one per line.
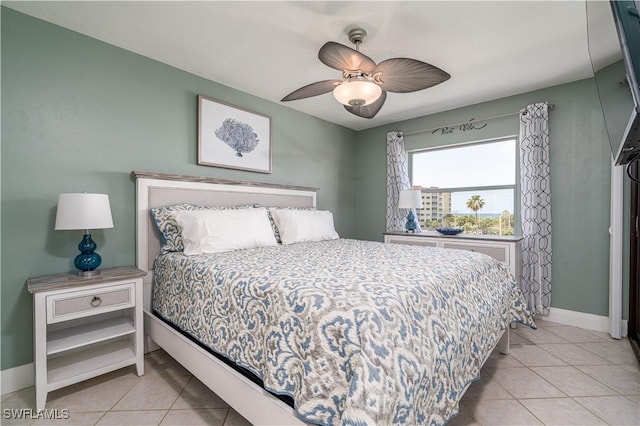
<point>410,199</point>
<point>84,211</point>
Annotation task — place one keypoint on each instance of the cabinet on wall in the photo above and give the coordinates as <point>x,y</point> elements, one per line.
<point>506,249</point>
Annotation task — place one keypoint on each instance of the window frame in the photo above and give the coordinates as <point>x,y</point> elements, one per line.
<point>517,228</point>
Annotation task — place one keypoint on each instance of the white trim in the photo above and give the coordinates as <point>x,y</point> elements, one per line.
<point>582,320</point>
<point>616,232</point>
<point>16,378</point>
<point>251,401</point>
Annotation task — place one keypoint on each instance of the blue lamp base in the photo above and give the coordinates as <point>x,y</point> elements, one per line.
<point>87,261</point>
<point>411,224</point>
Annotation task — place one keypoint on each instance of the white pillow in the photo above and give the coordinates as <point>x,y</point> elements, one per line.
<point>297,226</point>
<point>215,231</point>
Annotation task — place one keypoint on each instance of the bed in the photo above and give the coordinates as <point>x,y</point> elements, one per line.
<point>348,329</point>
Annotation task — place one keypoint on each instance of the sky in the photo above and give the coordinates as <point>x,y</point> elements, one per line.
<point>486,164</point>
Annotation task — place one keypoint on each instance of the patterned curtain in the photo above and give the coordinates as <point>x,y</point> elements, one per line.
<point>397,180</point>
<point>535,207</point>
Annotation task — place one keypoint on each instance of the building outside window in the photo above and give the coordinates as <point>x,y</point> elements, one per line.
<point>435,206</point>
<point>472,186</point>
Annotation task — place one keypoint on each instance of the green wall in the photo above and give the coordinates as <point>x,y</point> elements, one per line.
<point>580,182</point>
<point>80,115</point>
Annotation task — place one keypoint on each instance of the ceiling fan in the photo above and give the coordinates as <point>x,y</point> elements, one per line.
<point>364,85</point>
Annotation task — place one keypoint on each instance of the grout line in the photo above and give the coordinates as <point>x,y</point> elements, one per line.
<point>100,418</point>
<point>164,417</point>
<point>587,408</point>
<point>531,412</point>
<point>123,395</point>
<point>181,392</point>
<point>226,416</point>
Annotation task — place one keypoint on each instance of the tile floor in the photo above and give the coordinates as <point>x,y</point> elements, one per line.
<point>556,375</point>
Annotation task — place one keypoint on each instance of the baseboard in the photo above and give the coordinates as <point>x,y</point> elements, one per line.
<point>13,379</point>
<point>582,320</point>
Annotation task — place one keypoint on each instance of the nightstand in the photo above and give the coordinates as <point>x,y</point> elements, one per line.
<point>85,327</point>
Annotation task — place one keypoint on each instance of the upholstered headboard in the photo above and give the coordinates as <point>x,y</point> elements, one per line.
<point>160,189</point>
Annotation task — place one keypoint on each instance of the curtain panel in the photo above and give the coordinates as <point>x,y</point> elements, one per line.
<point>535,194</point>
<point>397,180</point>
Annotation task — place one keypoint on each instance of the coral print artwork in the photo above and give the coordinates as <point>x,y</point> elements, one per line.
<point>239,136</point>
<point>233,137</point>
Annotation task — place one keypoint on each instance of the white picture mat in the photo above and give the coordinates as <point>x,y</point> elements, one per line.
<point>214,152</point>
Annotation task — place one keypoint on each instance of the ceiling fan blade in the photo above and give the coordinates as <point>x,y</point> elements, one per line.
<point>313,89</point>
<point>404,75</point>
<point>368,111</point>
<point>340,57</point>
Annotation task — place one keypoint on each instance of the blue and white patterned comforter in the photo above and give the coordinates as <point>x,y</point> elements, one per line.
<point>357,332</point>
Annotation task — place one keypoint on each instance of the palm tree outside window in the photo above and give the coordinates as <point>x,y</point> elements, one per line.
<point>450,176</point>
<point>476,203</point>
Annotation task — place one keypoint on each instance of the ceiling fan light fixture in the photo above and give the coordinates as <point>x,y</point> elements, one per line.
<point>357,92</point>
<point>364,85</point>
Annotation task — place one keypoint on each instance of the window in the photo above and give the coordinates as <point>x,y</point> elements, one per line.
<point>472,186</point>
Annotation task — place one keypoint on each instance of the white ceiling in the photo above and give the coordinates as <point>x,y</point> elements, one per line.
<point>492,49</point>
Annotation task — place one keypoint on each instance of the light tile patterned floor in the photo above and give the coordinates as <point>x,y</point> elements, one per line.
<point>556,375</point>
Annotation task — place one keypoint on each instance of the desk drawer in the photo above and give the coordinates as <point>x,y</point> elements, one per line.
<point>411,241</point>
<point>78,304</point>
<point>498,252</point>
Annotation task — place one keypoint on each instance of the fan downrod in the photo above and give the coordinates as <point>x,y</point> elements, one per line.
<point>357,36</point>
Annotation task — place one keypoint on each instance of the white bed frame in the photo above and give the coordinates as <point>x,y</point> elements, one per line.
<point>157,189</point>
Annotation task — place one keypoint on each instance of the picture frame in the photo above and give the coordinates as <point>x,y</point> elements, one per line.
<point>232,137</point>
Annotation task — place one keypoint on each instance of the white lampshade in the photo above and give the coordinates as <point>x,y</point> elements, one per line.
<point>355,92</point>
<point>410,199</point>
<point>83,211</point>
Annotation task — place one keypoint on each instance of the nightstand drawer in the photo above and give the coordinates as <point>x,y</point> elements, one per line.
<point>498,252</point>
<point>77,304</point>
<point>412,241</point>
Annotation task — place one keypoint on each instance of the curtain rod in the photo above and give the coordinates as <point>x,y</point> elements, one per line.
<point>551,106</point>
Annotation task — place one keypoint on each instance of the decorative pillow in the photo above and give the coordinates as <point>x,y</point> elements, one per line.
<point>297,226</point>
<point>166,224</point>
<point>169,230</point>
<point>273,223</point>
<point>215,231</point>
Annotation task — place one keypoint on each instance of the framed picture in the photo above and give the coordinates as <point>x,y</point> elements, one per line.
<point>232,137</point>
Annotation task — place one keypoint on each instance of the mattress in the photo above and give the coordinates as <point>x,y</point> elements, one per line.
<point>355,332</point>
